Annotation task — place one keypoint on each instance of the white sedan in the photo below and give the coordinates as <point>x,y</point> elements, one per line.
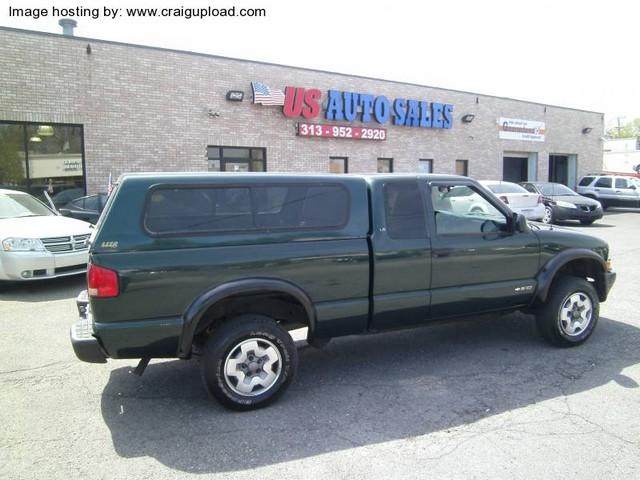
<point>518,199</point>
<point>36,242</point>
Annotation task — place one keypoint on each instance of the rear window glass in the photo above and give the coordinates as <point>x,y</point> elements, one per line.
<point>186,210</point>
<point>586,181</point>
<point>621,183</point>
<point>604,182</point>
<point>506,188</point>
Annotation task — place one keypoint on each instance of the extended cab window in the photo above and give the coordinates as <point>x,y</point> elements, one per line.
<point>187,210</point>
<point>404,210</point>
<point>461,209</point>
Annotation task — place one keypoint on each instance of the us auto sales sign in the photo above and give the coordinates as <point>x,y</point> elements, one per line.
<point>343,106</point>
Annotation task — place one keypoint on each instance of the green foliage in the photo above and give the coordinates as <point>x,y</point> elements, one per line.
<point>628,130</point>
<point>12,169</point>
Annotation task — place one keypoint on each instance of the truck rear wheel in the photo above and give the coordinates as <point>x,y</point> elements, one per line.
<point>249,362</point>
<point>570,313</point>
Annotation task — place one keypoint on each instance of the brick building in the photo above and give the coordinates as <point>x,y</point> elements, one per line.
<point>74,111</point>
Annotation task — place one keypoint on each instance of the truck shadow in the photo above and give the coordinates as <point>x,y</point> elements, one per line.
<point>47,290</point>
<point>361,391</point>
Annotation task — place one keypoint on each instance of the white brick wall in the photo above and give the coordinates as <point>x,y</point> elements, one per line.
<point>145,109</point>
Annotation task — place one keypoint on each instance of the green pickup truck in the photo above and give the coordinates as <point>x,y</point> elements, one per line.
<point>222,267</point>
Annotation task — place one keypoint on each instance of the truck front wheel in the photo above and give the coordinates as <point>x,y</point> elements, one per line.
<point>570,314</point>
<point>248,362</point>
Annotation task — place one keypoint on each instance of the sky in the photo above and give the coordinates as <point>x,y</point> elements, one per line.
<point>580,54</point>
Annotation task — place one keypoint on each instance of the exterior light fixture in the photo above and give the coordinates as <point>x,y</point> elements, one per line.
<point>35,139</point>
<point>235,95</point>
<point>468,118</point>
<point>45,131</point>
<point>586,130</point>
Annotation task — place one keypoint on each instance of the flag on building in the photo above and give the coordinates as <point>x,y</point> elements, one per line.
<point>266,96</point>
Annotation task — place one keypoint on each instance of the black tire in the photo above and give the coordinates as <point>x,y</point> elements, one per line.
<point>227,339</point>
<point>548,316</point>
<point>587,222</point>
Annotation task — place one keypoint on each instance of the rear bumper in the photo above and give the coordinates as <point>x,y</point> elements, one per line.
<point>532,213</point>
<point>85,345</point>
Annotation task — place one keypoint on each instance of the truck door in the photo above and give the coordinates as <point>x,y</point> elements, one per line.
<point>401,254</point>
<point>479,263</point>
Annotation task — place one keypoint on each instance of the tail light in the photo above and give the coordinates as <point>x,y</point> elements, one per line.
<point>540,199</point>
<point>504,199</point>
<point>102,282</point>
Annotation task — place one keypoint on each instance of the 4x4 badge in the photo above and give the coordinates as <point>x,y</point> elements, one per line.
<point>526,288</point>
<point>109,244</point>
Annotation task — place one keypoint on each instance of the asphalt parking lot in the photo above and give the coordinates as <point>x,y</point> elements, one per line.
<point>484,398</point>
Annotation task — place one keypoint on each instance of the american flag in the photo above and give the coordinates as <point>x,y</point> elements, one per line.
<point>265,95</point>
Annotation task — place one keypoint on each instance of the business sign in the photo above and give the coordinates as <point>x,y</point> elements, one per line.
<point>343,106</point>
<point>340,131</point>
<point>516,129</point>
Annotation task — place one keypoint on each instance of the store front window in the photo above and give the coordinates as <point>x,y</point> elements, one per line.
<point>425,165</point>
<point>236,159</point>
<point>38,158</point>
<point>385,165</point>
<point>462,167</point>
<point>338,165</point>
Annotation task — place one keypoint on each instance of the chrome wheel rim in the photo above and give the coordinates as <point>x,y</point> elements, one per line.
<point>576,314</point>
<point>252,367</point>
<point>547,215</point>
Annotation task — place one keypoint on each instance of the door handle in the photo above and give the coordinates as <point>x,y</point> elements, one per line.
<point>443,252</point>
<point>345,260</point>
<point>618,191</point>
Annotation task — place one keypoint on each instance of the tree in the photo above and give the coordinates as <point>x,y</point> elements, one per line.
<point>628,130</point>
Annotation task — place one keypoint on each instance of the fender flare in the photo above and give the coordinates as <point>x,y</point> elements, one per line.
<point>547,274</point>
<point>194,313</point>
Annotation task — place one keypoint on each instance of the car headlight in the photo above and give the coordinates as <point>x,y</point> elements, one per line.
<point>22,245</point>
<point>560,203</point>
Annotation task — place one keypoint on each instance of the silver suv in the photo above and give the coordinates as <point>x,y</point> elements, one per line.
<point>611,190</point>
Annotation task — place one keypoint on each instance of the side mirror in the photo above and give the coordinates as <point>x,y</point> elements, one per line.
<point>632,187</point>
<point>65,212</point>
<point>520,223</point>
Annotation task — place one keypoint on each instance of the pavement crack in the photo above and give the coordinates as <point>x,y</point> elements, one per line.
<point>39,367</point>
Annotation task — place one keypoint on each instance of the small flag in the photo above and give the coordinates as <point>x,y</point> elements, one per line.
<point>266,96</point>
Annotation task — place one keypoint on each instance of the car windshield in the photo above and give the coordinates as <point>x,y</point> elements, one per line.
<point>16,205</point>
<point>506,187</point>
<point>555,189</point>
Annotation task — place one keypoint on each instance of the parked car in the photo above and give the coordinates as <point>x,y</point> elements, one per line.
<point>36,242</point>
<point>517,198</point>
<point>86,208</point>
<point>561,203</point>
<point>65,196</point>
<point>611,190</point>
<point>223,266</point>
